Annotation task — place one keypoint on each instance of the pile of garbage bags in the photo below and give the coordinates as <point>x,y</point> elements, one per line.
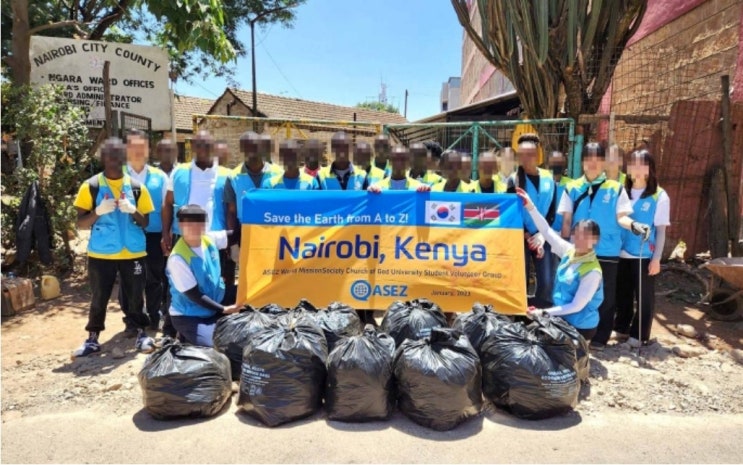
<point>292,362</point>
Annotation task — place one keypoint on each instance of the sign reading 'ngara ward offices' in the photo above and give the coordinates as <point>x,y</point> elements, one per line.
<point>138,75</point>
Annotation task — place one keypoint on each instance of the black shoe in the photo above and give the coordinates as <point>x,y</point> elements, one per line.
<point>131,331</point>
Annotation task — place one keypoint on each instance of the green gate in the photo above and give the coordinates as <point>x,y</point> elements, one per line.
<point>482,136</point>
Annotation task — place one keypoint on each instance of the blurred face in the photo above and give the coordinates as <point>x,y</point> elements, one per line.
<point>340,149</point>
<point>613,160</point>
<point>289,158</point>
<point>452,167</point>
<point>167,152</point>
<point>192,231</point>
<point>420,158</point>
<point>113,156</point>
<point>265,146</point>
<point>382,150</point>
<point>528,155</point>
<point>362,155</point>
<point>557,163</point>
<point>465,171</point>
<point>399,161</point>
<point>137,150</point>
<point>584,239</point>
<point>222,152</point>
<point>249,148</point>
<point>203,145</point>
<point>638,169</point>
<point>487,165</point>
<point>593,166</point>
<point>312,158</point>
<point>508,162</point>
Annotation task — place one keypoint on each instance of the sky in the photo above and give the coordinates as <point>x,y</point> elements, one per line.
<point>340,51</point>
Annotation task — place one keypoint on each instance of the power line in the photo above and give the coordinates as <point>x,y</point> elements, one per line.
<point>281,72</point>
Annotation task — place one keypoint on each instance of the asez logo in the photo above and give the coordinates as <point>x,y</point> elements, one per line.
<point>362,290</point>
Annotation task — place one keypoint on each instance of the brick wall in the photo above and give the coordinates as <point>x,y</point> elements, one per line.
<point>682,60</point>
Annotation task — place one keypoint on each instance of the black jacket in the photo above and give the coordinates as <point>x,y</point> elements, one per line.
<point>33,227</point>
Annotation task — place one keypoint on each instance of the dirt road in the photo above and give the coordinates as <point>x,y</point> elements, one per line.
<point>494,437</point>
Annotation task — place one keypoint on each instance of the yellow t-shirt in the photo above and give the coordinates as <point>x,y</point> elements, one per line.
<point>144,206</point>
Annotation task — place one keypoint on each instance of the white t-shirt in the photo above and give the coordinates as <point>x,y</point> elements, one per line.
<point>180,273</point>
<point>662,213</point>
<point>141,177</point>
<point>623,204</point>
<point>202,189</point>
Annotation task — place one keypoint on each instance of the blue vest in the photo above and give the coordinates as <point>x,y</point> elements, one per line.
<point>643,212</point>
<point>410,184</point>
<point>208,275</point>
<point>113,232</point>
<point>567,281</point>
<point>242,182</point>
<point>329,181</point>
<point>182,192</point>
<point>557,224</point>
<point>304,183</point>
<point>156,182</point>
<point>602,210</point>
<point>541,196</point>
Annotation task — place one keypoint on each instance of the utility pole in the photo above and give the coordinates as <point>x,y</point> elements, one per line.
<point>405,114</point>
<point>252,23</point>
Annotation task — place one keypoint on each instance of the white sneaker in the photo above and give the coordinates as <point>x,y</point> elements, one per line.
<point>145,344</point>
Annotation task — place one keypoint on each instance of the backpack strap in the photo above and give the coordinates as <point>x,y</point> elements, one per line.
<point>585,194</point>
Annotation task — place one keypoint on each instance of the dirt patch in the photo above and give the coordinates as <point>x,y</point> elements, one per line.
<point>39,377</point>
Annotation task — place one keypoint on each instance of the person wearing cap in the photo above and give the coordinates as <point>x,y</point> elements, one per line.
<point>540,186</point>
<point>420,163</point>
<point>201,182</point>
<point>292,178</point>
<point>362,153</point>
<point>452,170</point>
<point>382,150</point>
<point>487,180</point>
<point>399,179</point>
<point>341,174</point>
<point>115,208</point>
<point>606,202</point>
<point>138,153</point>
<point>196,285</point>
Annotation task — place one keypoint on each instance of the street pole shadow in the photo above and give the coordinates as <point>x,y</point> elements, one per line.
<point>147,423</point>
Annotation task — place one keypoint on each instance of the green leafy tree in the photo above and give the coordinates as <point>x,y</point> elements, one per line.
<point>200,35</point>
<point>543,45</point>
<point>378,106</point>
<point>55,154</point>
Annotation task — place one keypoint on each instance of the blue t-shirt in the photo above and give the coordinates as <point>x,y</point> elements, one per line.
<point>398,184</point>
<point>291,183</point>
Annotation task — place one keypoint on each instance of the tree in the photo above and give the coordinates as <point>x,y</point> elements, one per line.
<point>541,46</point>
<point>55,158</point>
<point>200,35</point>
<point>378,106</point>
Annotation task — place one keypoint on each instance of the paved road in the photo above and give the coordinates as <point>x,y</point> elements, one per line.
<point>235,438</point>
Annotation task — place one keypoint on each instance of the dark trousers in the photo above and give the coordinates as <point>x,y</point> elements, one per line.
<point>154,274</point>
<point>587,333</point>
<point>545,276</point>
<point>228,275</point>
<point>607,310</point>
<point>196,331</point>
<point>631,271</point>
<point>102,276</point>
<point>168,329</point>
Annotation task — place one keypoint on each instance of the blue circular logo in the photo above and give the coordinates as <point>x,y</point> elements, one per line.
<point>361,290</point>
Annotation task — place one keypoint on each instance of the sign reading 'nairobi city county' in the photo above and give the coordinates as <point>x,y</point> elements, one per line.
<point>138,76</point>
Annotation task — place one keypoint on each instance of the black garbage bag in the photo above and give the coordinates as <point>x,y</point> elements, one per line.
<point>283,372</point>
<point>531,376</point>
<point>359,385</point>
<point>438,379</point>
<point>549,324</point>
<point>181,380</point>
<point>412,320</point>
<point>338,320</point>
<point>478,324</point>
<point>273,309</point>
<point>233,332</point>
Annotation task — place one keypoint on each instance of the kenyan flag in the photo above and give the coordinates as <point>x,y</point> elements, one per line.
<point>481,214</point>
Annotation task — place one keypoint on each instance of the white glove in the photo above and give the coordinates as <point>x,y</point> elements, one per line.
<point>105,207</point>
<point>536,241</point>
<point>235,253</point>
<point>125,206</point>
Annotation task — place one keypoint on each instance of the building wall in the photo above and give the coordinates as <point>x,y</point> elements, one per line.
<point>480,79</point>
